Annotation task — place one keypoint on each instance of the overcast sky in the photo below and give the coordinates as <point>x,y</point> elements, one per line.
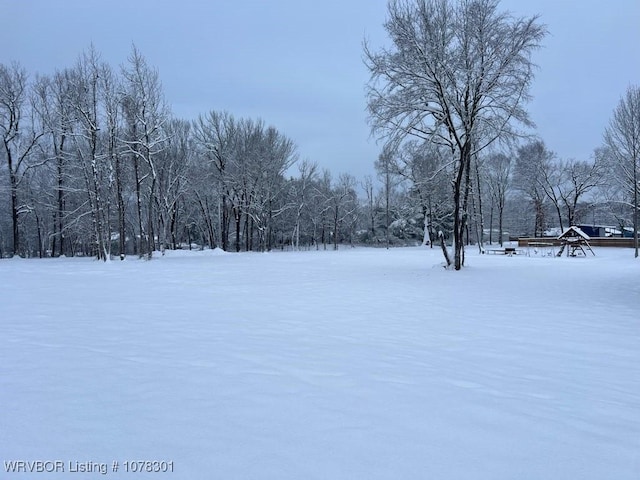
<point>297,64</point>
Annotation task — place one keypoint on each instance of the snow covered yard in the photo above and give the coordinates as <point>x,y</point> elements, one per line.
<point>357,364</point>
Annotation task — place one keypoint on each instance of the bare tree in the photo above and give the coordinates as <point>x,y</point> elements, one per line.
<point>173,164</point>
<point>343,204</point>
<point>478,213</point>
<point>622,139</point>
<point>19,136</point>
<point>320,216</point>
<point>542,177</point>
<point>302,195</point>
<point>550,178</point>
<point>424,166</point>
<point>533,160</point>
<point>110,95</point>
<point>147,113</point>
<point>498,166</point>
<point>274,155</point>
<point>385,168</point>
<point>372,206</point>
<point>216,138</point>
<point>54,98</point>
<point>94,161</point>
<point>457,75</point>
<point>92,155</point>
<point>579,178</point>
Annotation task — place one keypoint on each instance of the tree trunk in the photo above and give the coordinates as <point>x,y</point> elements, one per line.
<point>445,252</point>
<point>635,207</point>
<point>136,168</point>
<point>173,227</point>
<point>270,227</point>
<point>559,212</point>
<point>13,186</point>
<point>224,222</point>
<point>39,233</point>
<point>426,237</point>
<point>539,223</point>
<point>458,221</point>
<point>460,202</point>
<point>151,234</point>
<point>238,218</point>
<point>500,220</point>
<point>491,224</point>
<point>335,228</point>
<point>480,212</point>
<point>247,231</point>
<point>121,213</point>
<point>14,211</point>
<point>387,188</point>
<point>58,237</point>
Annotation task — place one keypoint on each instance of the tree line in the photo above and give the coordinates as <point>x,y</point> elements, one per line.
<point>94,163</point>
<point>524,191</point>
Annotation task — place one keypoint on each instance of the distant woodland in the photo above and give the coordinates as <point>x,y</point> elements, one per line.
<point>93,163</point>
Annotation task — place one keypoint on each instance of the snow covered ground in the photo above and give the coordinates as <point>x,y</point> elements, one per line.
<point>357,364</point>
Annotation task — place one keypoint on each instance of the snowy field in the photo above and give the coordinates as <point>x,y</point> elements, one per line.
<point>357,364</point>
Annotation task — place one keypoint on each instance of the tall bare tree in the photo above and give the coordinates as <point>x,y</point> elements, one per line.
<point>498,168</point>
<point>321,214</point>
<point>385,167</point>
<point>343,206</point>
<point>457,74</point>
<point>424,166</point>
<point>147,113</point>
<point>173,165</point>
<point>54,99</point>
<point>94,160</point>
<point>578,179</point>
<point>216,137</point>
<point>371,206</point>
<point>271,155</point>
<point>110,95</point>
<point>622,139</point>
<point>301,192</point>
<point>533,160</point>
<point>19,134</point>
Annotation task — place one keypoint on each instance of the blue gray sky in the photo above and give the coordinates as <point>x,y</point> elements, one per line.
<point>297,64</point>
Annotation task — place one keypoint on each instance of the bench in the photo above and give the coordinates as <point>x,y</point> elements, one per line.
<point>502,251</point>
